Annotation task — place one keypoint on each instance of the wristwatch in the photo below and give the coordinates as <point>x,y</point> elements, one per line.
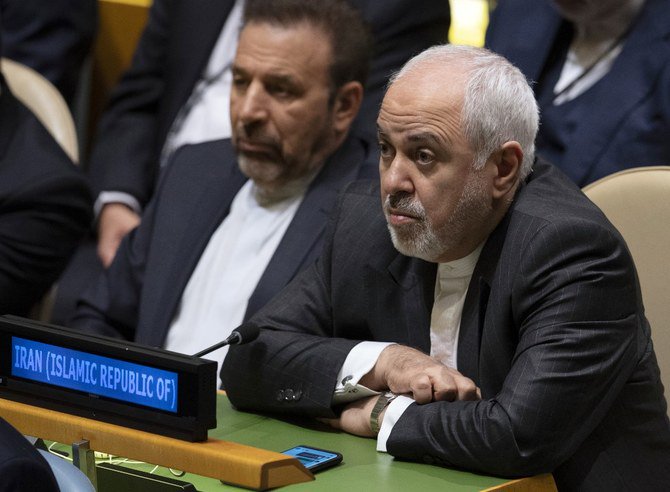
<point>382,402</point>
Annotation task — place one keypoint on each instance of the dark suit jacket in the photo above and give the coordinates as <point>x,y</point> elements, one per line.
<point>53,37</point>
<point>175,48</point>
<point>627,122</point>
<point>553,332</point>
<point>45,207</point>
<point>21,466</point>
<point>139,294</point>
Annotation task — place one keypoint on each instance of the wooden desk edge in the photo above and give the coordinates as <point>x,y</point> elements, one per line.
<point>539,483</point>
<point>224,460</point>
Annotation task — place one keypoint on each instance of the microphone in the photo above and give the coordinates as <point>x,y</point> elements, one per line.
<point>242,334</point>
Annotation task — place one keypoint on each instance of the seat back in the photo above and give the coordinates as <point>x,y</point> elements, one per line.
<point>69,477</point>
<point>637,202</point>
<point>46,103</point>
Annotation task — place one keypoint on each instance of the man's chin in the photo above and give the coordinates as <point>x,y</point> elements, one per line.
<point>410,242</point>
<point>259,168</point>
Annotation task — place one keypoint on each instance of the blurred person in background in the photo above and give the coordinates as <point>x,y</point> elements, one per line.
<point>601,75</point>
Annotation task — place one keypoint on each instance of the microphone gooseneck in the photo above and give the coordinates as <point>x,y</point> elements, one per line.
<point>242,334</point>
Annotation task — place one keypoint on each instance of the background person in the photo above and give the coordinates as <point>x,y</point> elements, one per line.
<point>234,220</point>
<point>601,73</point>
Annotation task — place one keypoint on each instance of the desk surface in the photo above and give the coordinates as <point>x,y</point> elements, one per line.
<point>362,464</point>
<point>245,448</point>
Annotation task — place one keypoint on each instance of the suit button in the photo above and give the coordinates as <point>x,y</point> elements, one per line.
<point>288,394</point>
<point>280,395</point>
<point>297,395</point>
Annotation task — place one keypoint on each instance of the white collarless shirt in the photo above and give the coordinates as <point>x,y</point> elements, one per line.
<point>216,296</point>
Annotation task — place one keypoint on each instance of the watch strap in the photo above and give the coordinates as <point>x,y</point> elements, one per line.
<point>383,401</point>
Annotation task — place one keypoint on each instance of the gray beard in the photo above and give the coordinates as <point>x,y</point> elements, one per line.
<point>423,241</point>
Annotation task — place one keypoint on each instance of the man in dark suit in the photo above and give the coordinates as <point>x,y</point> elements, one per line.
<point>171,58</point>
<point>181,56</point>
<point>45,207</point>
<point>521,291</point>
<point>21,466</point>
<point>211,240</point>
<point>602,79</point>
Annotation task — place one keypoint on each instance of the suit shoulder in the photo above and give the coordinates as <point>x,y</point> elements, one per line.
<point>362,188</point>
<point>551,196</point>
<point>210,160</point>
<point>212,150</point>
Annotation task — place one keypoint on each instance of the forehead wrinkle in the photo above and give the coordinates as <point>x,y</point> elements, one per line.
<point>280,52</point>
<point>416,125</point>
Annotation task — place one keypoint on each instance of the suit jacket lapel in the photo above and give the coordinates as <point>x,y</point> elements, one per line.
<point>212,193</point>
<point>417,279</point>
<point>300,244</point>
<point>476,302</point>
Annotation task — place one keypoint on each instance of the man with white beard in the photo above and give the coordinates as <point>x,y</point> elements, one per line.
<point>498,328</point>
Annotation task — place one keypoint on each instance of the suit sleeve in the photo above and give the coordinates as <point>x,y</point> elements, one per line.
<point>124,156</point>
<point>40,226</point>
<point>21,465</point>
<point>110,305</point>
<point>299,367</point>
<point>574,302</point>
<point>45,209</point>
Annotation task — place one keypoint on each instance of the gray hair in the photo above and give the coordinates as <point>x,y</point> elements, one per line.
<point>498,104</point>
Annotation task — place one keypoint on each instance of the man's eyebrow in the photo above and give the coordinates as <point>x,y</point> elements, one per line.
<point>423,137</point>
<point>414,136</point>
<point>279,78</point>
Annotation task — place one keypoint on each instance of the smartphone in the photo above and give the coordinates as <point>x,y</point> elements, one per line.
<point>314,459</point>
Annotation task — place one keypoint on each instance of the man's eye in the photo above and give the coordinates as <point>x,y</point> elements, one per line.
<point>424,157</point>
<point>384,149</point>
<point>239,82</point>
<point>280,90</point>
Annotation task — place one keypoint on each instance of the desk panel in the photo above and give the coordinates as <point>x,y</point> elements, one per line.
<point>362,467</point>
<point>242,438</point>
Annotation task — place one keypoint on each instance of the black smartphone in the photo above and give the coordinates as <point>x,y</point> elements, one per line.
<point>314,459</point>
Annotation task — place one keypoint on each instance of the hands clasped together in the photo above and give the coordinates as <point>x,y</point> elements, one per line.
<point>407,371</point>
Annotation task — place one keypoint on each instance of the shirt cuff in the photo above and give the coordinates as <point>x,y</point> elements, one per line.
<point>359,362</point>
<point>106,197</point>
<point>392,414</point>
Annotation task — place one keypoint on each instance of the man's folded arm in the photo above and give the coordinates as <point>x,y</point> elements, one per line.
<point>578,344</point>
<point>110,304</point>
<point>293,366</point>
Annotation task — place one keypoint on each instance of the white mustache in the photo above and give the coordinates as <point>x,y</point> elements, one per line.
<point>404,204</point>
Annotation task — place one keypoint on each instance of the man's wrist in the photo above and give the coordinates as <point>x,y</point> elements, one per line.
<point>376,416</point>
<point>376,379</point>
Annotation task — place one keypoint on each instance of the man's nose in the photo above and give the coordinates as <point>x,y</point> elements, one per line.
<point>396,175</point>
<point>254,104</point>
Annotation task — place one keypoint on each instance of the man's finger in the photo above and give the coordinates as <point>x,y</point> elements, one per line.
<point>454,386</point>
<point>421,388</point>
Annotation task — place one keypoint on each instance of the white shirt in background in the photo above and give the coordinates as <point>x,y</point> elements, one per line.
<point>216,296</point>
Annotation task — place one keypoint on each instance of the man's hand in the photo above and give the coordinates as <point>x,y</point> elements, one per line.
<point>355,418</point>
<point>403,369</point>
<point>116,220</point>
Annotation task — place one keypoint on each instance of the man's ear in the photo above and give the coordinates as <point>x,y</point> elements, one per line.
<point>346,105</point>
<point>507,163</point>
